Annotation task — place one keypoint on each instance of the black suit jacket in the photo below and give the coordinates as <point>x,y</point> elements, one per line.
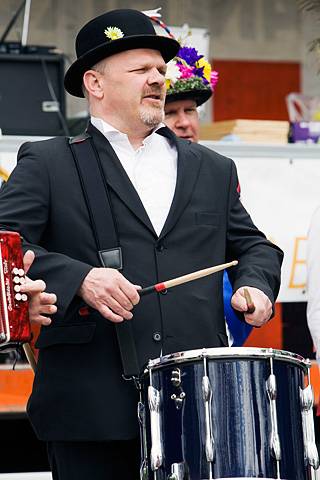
<point>78,392</point>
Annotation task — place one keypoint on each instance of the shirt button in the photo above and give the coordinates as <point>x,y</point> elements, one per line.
<point>156,336</point>
<point>164,292</point>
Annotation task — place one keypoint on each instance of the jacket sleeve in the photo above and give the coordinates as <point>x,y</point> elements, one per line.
<point>25,208</point>
<point>259,260</point>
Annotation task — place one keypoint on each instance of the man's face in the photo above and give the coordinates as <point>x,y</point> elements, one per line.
<point>182,117</point>
<point>134,87</point>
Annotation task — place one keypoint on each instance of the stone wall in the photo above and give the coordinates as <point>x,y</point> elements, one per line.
<point>239,29</point>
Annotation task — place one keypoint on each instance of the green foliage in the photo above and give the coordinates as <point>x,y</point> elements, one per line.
<point>194,83</point>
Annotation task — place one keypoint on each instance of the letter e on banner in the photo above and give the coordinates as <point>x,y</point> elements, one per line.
<point>298,268</point>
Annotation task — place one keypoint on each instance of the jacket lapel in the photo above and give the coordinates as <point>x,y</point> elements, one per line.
<point>189,163</point>
<point>117,177</point>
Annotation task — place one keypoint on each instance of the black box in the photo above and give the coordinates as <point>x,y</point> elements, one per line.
<point>31,94</point>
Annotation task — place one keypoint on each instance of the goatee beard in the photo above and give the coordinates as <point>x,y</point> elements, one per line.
<point>151,118</point>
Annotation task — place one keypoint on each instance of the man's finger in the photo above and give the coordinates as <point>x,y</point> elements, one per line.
<point>122,299</point>
<point>33,286</point>
<point>255,319</point>
<point>116,308</point>
<point>48,309</point>
<point>130,291</point>
<point>238,302</point>
<point>41,320</point>
<point>48,298</point>
<point>107,313</point>
<point>28,259</point>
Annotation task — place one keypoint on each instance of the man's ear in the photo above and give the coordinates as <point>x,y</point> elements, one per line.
<point>93,81</point>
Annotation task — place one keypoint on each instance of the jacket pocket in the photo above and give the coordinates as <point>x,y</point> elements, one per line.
<point>66,334</point>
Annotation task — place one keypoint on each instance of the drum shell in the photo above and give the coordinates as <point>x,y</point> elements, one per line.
<point>241,418</point>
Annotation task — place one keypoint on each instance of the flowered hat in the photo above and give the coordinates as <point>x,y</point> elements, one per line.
<point>110,33</point>
<point>189,75</point>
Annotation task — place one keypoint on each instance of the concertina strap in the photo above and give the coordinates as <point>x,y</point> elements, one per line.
<point>104,227</point>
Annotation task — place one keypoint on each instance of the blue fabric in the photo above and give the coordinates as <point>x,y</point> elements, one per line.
<point>239,329</point>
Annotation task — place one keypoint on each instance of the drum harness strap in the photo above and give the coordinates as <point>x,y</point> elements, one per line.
<point>97,197</point>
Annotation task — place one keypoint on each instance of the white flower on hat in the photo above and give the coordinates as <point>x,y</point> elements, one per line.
<point>173,73</point>
<point>113,33</point>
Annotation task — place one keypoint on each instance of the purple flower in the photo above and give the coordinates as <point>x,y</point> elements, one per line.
<point>189,55</point>
<point>199,72</point>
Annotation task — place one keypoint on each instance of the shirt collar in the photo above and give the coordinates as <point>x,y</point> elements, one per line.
<point>114,135</point>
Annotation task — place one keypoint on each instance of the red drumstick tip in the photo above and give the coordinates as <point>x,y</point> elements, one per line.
<point>159,287</point>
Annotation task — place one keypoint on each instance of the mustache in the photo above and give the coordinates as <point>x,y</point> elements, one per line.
<point>155,91</point>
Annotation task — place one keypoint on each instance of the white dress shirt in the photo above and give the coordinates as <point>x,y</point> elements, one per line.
<point>152,169</point>
<point>313,280</point>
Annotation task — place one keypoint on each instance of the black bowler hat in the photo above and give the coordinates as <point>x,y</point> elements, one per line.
<point>110,33</point>
<point>199,96</point>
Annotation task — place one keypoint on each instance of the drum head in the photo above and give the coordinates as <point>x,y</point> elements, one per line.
<point>236,353</point>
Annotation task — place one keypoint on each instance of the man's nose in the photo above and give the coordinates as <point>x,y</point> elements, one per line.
<point>182,120</point>
<point>156,77</point>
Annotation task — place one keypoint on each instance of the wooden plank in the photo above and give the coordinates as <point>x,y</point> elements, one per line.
<point>251,131</point>
<point>15,389</point>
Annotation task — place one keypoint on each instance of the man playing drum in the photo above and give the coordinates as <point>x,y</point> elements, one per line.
<point>171,207</point>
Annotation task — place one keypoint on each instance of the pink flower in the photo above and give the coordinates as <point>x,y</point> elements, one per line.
<point>214,77</point>
<point>186,72</point>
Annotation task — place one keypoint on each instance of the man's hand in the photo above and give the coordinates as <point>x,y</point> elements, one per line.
<point>109,292</point>
<point>263,306</point>
<point>40,302</point>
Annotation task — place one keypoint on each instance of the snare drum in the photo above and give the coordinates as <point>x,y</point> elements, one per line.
<point>223,413</point>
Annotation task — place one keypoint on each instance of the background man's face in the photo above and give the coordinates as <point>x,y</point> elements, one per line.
<point>134,87</point>
<point>182,117</point>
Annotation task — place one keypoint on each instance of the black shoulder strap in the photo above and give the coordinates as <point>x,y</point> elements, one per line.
<point>97,197</point>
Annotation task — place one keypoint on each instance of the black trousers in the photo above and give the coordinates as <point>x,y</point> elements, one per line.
<point>95,460</point>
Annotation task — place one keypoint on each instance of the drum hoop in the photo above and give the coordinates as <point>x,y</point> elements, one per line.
<point>231,353</point>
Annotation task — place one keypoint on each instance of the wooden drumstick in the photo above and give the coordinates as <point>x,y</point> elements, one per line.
<point>159,287</point>
<point>250,305</point>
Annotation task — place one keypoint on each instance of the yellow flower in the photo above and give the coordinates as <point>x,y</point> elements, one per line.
<point>113,33</point>
<point>207,68</point>
<point>316,116</point>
